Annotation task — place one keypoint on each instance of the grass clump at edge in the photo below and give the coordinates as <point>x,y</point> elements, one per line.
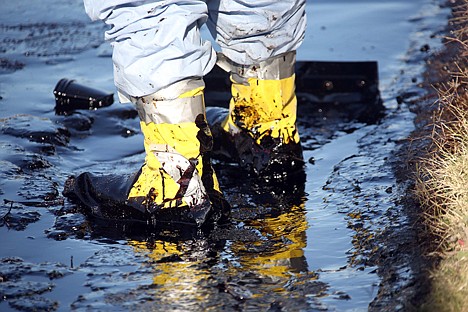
<point>442,179</point>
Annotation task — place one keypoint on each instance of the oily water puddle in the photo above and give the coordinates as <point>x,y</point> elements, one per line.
<point>316,246</point>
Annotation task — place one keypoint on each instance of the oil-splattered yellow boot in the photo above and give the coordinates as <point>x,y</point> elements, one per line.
<point>177,173</point>
<point>176,184</point>
<point>261,124</point>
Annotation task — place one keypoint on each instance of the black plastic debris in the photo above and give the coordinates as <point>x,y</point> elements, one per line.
<point>71,96</point>
<point>336,87</point>
<point>339,82</point>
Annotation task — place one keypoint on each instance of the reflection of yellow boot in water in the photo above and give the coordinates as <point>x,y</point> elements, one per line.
<point>283,253</point>
<point>177,284</point>
<point>177,172</point>
<point>261,124</point>
<point>190,274</point>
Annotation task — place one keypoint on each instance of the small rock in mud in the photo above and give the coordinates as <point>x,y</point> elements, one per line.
<point>341,295</point>
<point>57,235</point>
<point>127,132</point>
<point>38,162</point>
<point>425,48</point>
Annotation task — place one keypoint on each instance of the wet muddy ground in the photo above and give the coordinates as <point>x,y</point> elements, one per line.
<point>338,240</point>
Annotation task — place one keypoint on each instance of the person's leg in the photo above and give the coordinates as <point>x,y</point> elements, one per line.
<point>155,43</point>
<point>258,40</point>
<point>250,32</point>
<point>159,61</point>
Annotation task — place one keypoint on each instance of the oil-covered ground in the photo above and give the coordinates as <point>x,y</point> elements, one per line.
<point>339,240</point>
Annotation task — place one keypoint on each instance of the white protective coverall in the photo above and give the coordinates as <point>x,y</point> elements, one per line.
<point>157,44</point>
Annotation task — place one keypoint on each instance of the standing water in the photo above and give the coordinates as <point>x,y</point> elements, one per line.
<point>323,249</point>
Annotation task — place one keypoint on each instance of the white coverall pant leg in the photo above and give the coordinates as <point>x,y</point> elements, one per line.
<point>158,43</point>
<point>251,31</point>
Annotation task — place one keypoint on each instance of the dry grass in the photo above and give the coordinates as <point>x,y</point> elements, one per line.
<point>442,181</point>
<point>442,184</point>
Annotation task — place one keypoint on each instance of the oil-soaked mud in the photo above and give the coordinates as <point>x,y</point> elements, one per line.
<point>337,240</point>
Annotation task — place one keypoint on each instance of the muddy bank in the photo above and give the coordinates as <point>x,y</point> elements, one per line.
<point>440,238</point>
<point>426,243</point>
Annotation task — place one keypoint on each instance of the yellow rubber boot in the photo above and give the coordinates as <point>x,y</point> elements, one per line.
<point>177,173</point>
<point>262,116</point>
<point>264,108</point>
